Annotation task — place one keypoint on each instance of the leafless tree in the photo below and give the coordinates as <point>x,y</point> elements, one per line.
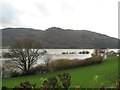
<point>25,53</point>
<point>101,52</point>
<point>47,59</point>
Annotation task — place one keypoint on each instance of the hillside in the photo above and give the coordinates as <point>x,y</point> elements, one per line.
<point>60,38</point>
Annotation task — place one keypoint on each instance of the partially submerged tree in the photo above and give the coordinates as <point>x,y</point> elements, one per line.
<point>25,53</point>
<point>47,59</point>
<point>100,52</point>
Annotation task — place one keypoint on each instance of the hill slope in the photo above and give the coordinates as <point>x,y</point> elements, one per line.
<point>59,38</point>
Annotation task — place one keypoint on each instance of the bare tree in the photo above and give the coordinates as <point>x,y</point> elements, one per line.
<point>96,52</point>
<point>25,53</point>
<point>100,52</point>
<point>47,59</point>
<point>103,52</point>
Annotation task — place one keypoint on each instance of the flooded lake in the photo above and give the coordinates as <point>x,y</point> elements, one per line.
<point>58,53</point>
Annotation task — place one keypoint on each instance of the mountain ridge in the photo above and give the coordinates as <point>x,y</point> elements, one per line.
<point>59,38</point>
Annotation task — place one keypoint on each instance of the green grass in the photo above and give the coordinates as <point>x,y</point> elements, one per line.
<point>82,76</point>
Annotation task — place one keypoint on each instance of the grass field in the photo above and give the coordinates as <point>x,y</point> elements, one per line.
<point>82,76</point>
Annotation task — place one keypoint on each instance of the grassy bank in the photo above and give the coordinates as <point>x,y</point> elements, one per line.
<point>83,76</point>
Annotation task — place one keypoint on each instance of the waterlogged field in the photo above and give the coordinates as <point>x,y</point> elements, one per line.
<point>83,76</point>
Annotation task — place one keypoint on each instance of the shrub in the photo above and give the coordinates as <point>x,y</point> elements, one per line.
<point>80,52</point>
<point>34,70</point>
<point>118,84</point>
<point>72,53</point>
<point>65,78</point>
<point>103,87</point>
<point>27,73</point>
<point>4,88</point>
<point>26,85</point>
<point>63,53</point>
<point>87,52</point>
<point>49,83</point>
<point>61,64</point>
<point>52,83</point>
<point>39,69</point>
<point>15,74</point>
<point>83,52</point>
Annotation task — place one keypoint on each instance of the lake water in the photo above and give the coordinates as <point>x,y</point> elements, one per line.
<point>57,54</point>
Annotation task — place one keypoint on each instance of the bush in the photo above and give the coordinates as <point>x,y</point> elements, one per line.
<point>65,78</point>
<point>72,53</point>
<point>87,52</point>
<point>118,84</point>
<point>80,52</point>
<point>39,69</point>
<point>63,53</point>
<point>54,83</point>
<point>15,74</point>
<point>59,64</point>
<point>4,88</point>
<point>26,85</point>
<point>83,52</point>
<point>27,73</point>
<point>51,82</point>
<point>62,64</point>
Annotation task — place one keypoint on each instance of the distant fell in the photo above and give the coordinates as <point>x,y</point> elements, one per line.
<point>58,38</point>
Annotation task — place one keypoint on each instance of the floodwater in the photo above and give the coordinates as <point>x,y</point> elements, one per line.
<point>58,54</point>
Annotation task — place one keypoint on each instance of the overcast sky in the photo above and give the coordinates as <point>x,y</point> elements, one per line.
<point>95,15</point>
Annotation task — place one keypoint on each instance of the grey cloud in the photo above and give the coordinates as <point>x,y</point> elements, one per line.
<point>9,14</point>
<point>66,6</point>
<point>42,8</point>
